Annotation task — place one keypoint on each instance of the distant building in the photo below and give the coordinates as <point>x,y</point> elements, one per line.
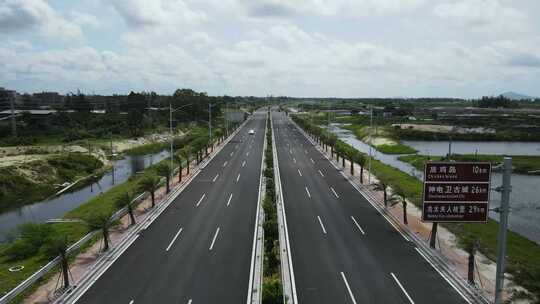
<point>5,98</point>
<point>48,99</point>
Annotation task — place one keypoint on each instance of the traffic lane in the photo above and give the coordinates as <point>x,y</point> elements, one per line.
<point>409,266</point>
<point>143,250</point>
<point>328,242</point>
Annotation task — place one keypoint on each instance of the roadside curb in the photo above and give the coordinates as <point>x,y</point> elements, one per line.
<point>287,271</point>
<point>257,255</point>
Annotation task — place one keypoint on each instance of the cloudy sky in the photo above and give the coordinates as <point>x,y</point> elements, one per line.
<point>344,48</point>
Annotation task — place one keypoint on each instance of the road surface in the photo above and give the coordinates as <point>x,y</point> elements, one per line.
<point>200,248</point>
<point>342,249</point>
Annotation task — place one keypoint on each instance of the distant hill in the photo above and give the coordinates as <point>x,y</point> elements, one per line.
<point>516,96</point>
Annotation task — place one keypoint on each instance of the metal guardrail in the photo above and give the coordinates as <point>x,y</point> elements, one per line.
<point>77,245</point>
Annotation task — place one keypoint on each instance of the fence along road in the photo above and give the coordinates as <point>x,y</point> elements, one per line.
<point>343,251</point>
<point>199,250</point>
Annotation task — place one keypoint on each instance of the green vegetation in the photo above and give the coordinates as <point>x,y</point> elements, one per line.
<point>521,164</point>
<point>523,260</point>
<point>30,251</point>
<point>272,290</point>
<point>35,180</point>
<point>395,149</point>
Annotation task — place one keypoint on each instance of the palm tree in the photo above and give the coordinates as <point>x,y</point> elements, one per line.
<point>103,222</point>
<point>178,158</point>
<point>125,200</point>
<point>470,244</point>
<point>164,170</point>
<point>361,161</point>
<point>382,185</point>
<point>150,183</point>
<point>400,196</point>
<point>57,245</point>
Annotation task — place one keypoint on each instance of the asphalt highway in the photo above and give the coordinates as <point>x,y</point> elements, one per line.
<point>343,250</point>
<point>199,250</point>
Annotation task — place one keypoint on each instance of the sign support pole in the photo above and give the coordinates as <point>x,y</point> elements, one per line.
<point>503,225</point>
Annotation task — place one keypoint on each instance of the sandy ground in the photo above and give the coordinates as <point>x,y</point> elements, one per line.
<point>445,129</point>
<point>447,245</point>
<point>10,156</point>
<point>83,261</point>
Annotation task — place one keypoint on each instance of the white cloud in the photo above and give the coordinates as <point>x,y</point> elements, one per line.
<point>19,15</point>
<point>142,13</point>
<point>84,19</point>
<point>489,16</point>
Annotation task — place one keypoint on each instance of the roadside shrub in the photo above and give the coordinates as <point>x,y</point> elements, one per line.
<point>272,291</point>
<point>31,238</point>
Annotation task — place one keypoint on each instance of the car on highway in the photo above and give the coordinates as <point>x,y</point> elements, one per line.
<point>251,132</point>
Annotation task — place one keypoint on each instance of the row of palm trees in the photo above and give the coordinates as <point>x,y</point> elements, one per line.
<point>341,149</point>
<point>150,183</point>
<point>398,196</point>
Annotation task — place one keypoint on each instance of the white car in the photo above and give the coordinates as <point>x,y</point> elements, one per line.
<point>251,132</point>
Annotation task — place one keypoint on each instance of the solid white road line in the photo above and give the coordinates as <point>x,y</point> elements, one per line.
<point>243,163</point>
<point>444,276</point>
<point>232,154</point>
<point>357,225</point>
<point>214,240</point>
<point>299,173</point>
<point>174,239</point>
<point>334,191</point>
<point>312,161</point>
<point>321,173</point>
<point>247,153</point>
<point>215,178</point>
<point>401,287</point>
<point>348,287</point>
<point>322,226</point>
<point>238,177</point>
<point>225,163</point>
<point>190,301</point>
<point>229,201</point>
<point>132,301</point>
<point>200,200</point>
<point>308,194</point>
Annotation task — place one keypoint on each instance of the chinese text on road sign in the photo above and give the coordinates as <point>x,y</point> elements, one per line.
<point>456,192</point>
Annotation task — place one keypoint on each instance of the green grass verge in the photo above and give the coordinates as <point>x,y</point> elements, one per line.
<point>395,149</point>
<point>521,164</point>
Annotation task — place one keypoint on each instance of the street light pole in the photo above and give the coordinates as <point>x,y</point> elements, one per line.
<point>370,142</point>
<point>171,132</point>
<point>503,225</point>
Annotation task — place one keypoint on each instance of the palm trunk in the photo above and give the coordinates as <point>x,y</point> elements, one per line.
<point>180,172</point>
<point>131,216</point>
<point>433,236</point>
<point>105,231</point>
<point>362,176</point>
<point>153,196</point>
<point>167,184</point>
<point>385,196</point>
<point>343,162</point>
<point>352,168</point>
<point>65,273</point>
<point>405,213</point>
<point>470,272</point>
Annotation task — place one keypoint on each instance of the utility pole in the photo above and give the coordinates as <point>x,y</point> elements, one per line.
<point>503,210</point>
<point>210,121</point>
<point>370,142</point>
<point>13,122</point>
<point>112,159</point>
<point>171,132</point>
